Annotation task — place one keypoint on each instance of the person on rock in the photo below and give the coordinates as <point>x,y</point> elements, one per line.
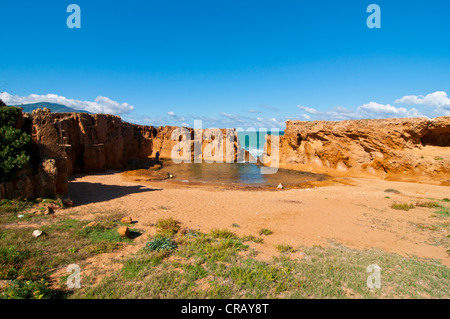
<point>157,159</point>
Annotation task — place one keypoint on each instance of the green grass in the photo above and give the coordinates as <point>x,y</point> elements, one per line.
<point>428,204</point>
<point>391,190</point>
<point>206,267</point>
<point>10,209</point>
<point>28,261</point>
<point>252,238</point>
<point>28,289</point>
<point>443,211</point>
<point>167,227</point>
<point>216,265</point>
<point>160,243</point>
<point>265,232</point>
<point>285,248</point>
<point>222,233</point>
<point>65,242</point>
<point>14,206</point>
<point>102,233</point>
<point>402,206</point>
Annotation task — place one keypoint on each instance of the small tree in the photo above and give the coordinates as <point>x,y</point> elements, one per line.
<point>14,143</point>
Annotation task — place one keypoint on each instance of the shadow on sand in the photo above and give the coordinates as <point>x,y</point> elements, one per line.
<point>83,193</point>
<point>134,234</point>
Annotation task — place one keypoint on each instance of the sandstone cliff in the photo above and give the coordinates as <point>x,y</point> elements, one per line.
<point>407,149</point>
<point>68,143</point>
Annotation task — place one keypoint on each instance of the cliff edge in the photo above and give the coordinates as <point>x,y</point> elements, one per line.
<point>411,149</point>
<point>70,143</point>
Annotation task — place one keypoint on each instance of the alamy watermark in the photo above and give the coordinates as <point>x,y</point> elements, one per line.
<point>374,20</point>
<point>74,19</point>
<point>374,280</point>
<point>74,279</point>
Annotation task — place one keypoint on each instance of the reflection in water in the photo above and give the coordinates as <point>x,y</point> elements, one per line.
<point>235,174</point>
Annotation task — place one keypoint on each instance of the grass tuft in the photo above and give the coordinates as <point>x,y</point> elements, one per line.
<point>160,243</point>
<point>391,190</point>
<point>428,204</point>
<point>265,232</point>
<point>252,238</point>
<point>285,248</point>
<point>168,227</point>
<point>402,206</point>
<point>222,234</point>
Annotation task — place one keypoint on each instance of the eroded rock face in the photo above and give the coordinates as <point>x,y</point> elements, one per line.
<point>99,142</point>
<point>69,143</point>
<point>412,149</point>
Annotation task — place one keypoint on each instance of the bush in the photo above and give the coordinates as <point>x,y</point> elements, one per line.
<point>160,243</point>
<point>222,234</point>
<point>265,232</point>
<point>402,206</point>
<point>391,190</point>
<point>428,204</point>
<point>168,227</point>
<point>14,144</point>
<point>285,248</point>
<point>27,290</point>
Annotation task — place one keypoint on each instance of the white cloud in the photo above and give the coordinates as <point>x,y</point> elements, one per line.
<point>171,113</point>
<point>376,110</point>
<point>336,114</point>
<point>437,99</point>
<point>369,110</point>
<point>306,116</point>
<point>232,117</point>
<point>270,108</point>
<point>310,110</point>
<point>101,104</point>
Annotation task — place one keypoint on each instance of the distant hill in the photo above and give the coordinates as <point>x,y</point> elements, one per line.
<point>55,108</point>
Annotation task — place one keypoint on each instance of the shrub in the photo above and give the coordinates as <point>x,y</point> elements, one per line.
<point>428,204</point>
<point>443,211</point>
<point>403,206</point>
<point>265,232</point>
<point>285,248</point>
<point>168,227</point>
<point>27,290</point>
<point>160,243</point>
<point>222,234</point>
<point>254,239</point>
<point>391,190</point>
<point>14,144</point>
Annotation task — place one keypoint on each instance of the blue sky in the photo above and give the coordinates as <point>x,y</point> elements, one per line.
<point>231,63</point>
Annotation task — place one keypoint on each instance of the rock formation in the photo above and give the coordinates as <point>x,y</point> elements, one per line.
<point>69,143</point>
<point>404,149</point>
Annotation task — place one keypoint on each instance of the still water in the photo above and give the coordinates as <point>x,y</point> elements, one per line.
<point>243,174</point>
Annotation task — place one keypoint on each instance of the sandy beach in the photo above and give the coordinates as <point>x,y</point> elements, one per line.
<point>354,212</point>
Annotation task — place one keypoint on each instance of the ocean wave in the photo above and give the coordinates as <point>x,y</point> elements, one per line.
<point>255,152</point>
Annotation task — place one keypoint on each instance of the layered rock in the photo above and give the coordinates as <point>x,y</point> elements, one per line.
<point>410,149</point>
<point>68,143</point>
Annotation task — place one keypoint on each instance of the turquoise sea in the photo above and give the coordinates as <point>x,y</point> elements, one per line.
<point>254,141</point>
